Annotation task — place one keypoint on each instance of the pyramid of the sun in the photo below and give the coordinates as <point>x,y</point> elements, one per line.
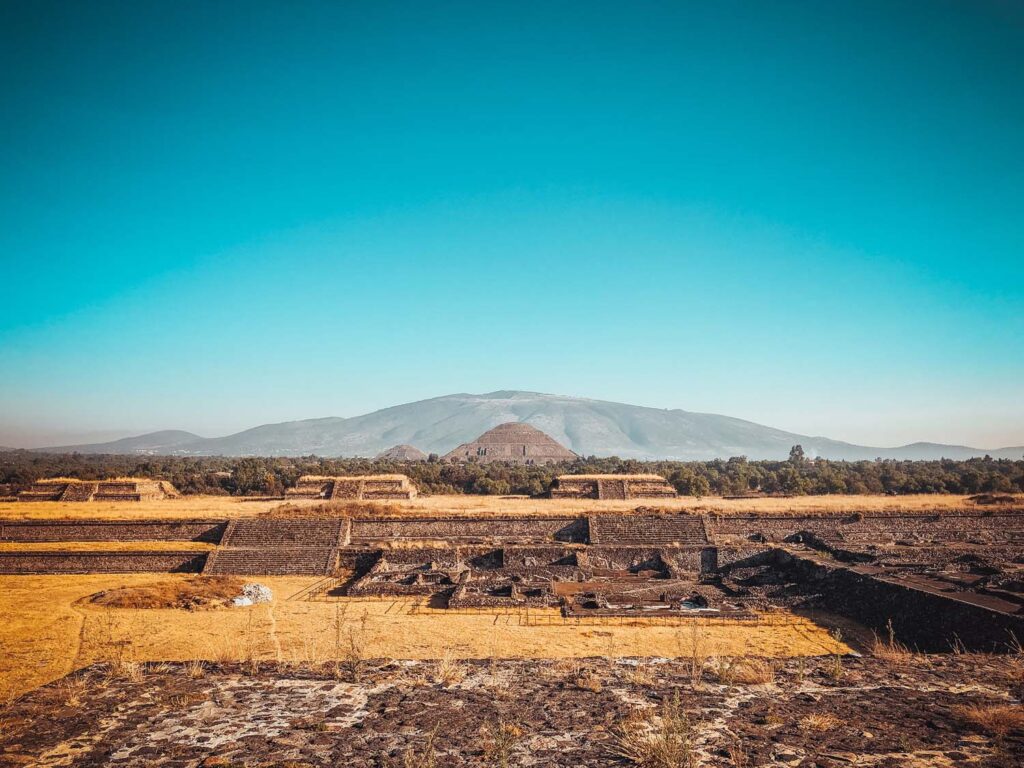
<point>513,442</point>
<point>353,487</point>
<point>403,453</point>
<point>612,487</point>
<point>121,489</point>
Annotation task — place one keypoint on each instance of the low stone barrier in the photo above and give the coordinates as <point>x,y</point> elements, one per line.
<point>51,562</point>
<point>112,530</point>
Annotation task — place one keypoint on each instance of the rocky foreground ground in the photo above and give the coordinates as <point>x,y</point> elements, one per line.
<point>904,711</point>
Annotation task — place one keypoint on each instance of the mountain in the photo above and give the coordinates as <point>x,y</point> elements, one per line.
<point>165,442</point>
<point>587,427</point>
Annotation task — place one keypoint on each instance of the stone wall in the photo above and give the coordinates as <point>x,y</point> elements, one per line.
<point>480,529</point>
<point>921,619</point>
<point>25,562</point>
<point>112,530</point>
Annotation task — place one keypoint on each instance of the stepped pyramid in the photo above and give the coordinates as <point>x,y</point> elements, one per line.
<point>513,442</point>
<point>403,453</point>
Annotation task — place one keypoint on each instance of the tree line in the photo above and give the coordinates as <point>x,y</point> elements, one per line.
<point>797,475</point>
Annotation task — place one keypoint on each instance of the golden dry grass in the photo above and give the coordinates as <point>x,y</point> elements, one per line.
<point>819,722</point>
<point>49,630</point>
<point>190,593</point>
<point>487,506</point>
<point>995,719</point>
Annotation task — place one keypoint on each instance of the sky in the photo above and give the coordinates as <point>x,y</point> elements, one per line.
<point>218,215</point>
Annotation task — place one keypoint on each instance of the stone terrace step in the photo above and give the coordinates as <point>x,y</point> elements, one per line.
<point>647,530</point>
<point>274,561</point>
<point>258,533</point>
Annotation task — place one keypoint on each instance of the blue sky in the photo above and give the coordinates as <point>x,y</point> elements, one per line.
<point>217,215</point>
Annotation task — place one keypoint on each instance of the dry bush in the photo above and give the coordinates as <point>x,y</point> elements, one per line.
<point>890,649</point>
<point>694,649</point>
<point>657,739</point>
<point>195,669</point>
<point>819,722</point>
<point>129,670</point>
<point>835,668</point>
<point>642,674</point>
<point>193,593</point>
<point>71,690</point>
<point>500,739</point>
<point>447,671</point>
<point>996,719</point>
<point>752,672</point>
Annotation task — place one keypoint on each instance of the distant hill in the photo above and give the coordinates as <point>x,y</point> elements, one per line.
<point>587,427</point>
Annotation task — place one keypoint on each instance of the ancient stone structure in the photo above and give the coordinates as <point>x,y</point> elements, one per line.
<point>403,453</point>
<point>514,442</point>
<point>612,487</point>
<point>354,487</point>
<point>261,546</point>
<point>49,561</point>
<point>122,489</point>
<point>939,579</point>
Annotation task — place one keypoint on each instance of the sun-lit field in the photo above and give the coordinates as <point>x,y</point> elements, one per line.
<point>50,628</point>
<point>424,506</point>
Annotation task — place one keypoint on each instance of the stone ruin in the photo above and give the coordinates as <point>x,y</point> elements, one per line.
<point>354,487</point>
<point>122,489</point>
<point>515,443</point>
<point>402,453</point>
<point>937,579</point>
<point>612,487</point>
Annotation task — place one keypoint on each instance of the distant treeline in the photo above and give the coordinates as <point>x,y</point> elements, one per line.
<point>737,476</point>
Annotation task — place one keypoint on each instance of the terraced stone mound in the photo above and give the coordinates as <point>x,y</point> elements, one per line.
<point>259,533</point>
<point>612,487</point>
<point>123,489</point>
<point>515,443</point>
<point>354,487</point>
<point>403,453</point>
<point>268,547</point>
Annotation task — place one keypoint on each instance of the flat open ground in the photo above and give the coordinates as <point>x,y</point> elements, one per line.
<point>50,629</point>
<point>483,506</point>
<point>913,712</point>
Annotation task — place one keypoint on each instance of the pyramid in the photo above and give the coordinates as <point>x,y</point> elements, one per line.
<point>403,453</point>
<point>349,487</point>
<point>513,442</point>
<point>612,487</point>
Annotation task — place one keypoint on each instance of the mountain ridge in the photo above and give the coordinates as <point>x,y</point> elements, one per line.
<point>584,425</point>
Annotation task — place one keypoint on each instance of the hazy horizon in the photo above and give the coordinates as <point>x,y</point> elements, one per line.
<point>805,216</point>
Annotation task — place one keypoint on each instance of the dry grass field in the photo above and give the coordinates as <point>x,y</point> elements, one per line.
<point>51,628</point>
<point>483,506</point>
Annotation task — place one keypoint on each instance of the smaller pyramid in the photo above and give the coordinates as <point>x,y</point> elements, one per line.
<point>514,442</point>
<point>403,453</point>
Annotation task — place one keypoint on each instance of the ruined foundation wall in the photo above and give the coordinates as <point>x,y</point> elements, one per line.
<point>111,530</point>
<point>101,562</point>
<point>923,621</point>
<point>521,528</point>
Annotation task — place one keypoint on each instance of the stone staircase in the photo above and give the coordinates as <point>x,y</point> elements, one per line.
<point>253,533</point>
<point>79,492</point>
<point>272,561</point>
<point>267,547</point>
<point>648,530</point>
<point>612,489</point>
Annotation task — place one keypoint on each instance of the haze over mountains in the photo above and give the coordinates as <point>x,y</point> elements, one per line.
<point>588,427</point>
